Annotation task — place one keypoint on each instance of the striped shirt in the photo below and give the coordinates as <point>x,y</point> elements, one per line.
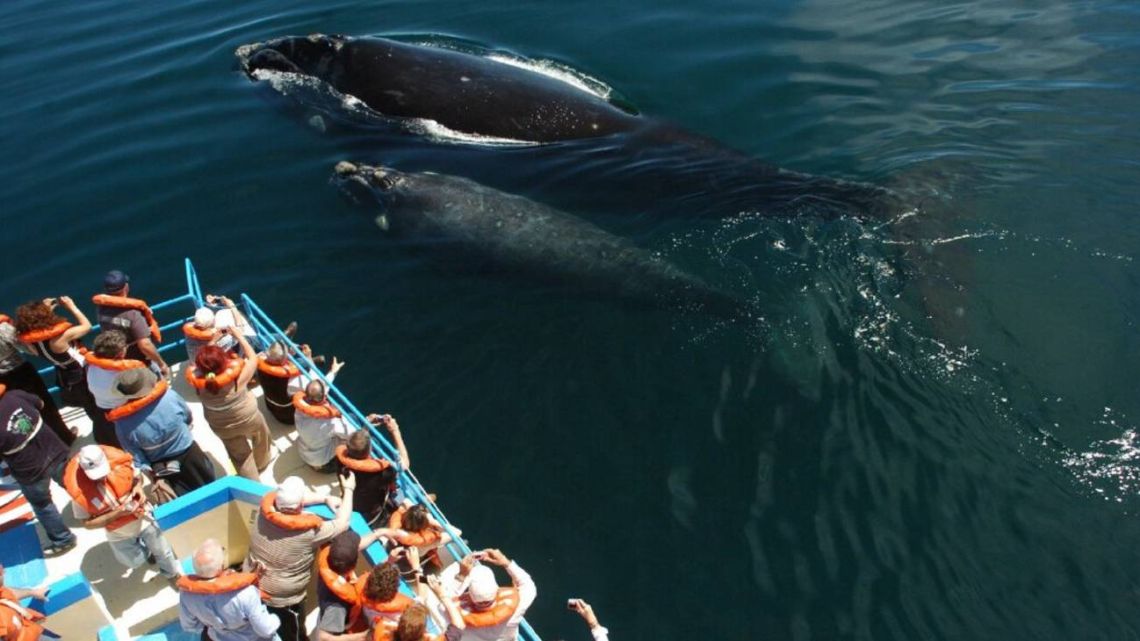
<point>286,559</point>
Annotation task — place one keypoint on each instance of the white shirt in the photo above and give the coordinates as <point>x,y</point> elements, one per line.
<point>317,438</point>
<point>100,381</point>
<point>507,630</point>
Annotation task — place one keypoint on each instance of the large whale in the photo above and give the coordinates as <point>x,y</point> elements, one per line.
<point>485,98</point>
<point>515,233</point>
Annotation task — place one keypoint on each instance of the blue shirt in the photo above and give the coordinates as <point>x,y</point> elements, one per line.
<point>230,616</point>
<point>157,432</point>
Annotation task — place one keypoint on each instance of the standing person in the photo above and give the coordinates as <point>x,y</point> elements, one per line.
<point>222,382</point>
<point>491,613</point>
<point>55,339</point>
<point>18,623</point>
<point>412,624</point>
<point>115,309</point>
<point>375,476</point>
<point>35,457</point>
<point>338,591</point>
<point>320,427</point>
<point>281,379</point>
<point>18,374</point>
<point>283,545</point>
<point>108,357</point>
<point>587,613</point>
<point>153,425</point>
<point>107,492</point>
<point>223,605</point>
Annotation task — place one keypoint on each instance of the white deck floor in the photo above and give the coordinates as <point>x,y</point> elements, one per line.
<point>132,597</point>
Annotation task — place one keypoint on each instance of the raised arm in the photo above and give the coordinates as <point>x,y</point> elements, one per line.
<point>249,368</point>
<point>389,422</point>
<point>75,332</point>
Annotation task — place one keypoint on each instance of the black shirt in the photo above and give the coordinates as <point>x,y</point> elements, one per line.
<point>19,417</point>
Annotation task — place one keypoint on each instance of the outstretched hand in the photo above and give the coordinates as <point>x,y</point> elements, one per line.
<point>584,610</point>
<point>495,557</point>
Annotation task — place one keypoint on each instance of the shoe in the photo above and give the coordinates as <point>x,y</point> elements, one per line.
<point>60,548</point>
<point>290,329</point>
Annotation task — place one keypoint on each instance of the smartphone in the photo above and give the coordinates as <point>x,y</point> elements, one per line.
<point>572,604</point>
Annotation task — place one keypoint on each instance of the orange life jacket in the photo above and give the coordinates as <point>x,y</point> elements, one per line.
<point>110,364</point>
<point>86,492</point>
<point>344,586</point>
<point>228,376</point>
<point>301,521</point>
<point>194,332</point>
<point>369,465</point>
<point>324,410</point>
<point>123,302</point>
<point>228,581</point>
<point>385,630</point>
<point>18,623</point>
<point>4,318</point>
<point>427,536</point>
<point>40,335</point>
<point>506,602</point>
<point>3,388</point>
<point>136,404</point>
<point>287,370</point>
<point>384,609</point>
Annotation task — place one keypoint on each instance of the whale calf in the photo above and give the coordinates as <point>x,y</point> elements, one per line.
<point>486,100</point>
<point>518,234</point>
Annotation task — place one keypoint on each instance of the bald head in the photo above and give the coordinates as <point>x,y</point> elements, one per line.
<point>315,392</point>
<point>275,355</point>
<point>209,559</point>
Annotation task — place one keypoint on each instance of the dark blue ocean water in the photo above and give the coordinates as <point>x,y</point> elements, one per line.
<point>930,434</point>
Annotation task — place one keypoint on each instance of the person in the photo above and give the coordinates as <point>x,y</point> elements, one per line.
<point>18,374</point>
<point>35,457</point>
<point>413,526</point>
<point>222,383</point>
<point>320,427</point>
<point>107,492</point>
<point>208,326</point>
<point>338,591</point>
<point>221,604</point>
<point>281,379</point>
<point>283,544</point>
<point>199,332</point>
<point>115,309</point>
<point>53,338</point>
<point>490,613</point>
<point>380,595</point>
<point>18,623</point>
<point>107,357</point>
<point>587,613</point>
<point>412,624</point>
<point>375,476</point>
<point>153,424</point>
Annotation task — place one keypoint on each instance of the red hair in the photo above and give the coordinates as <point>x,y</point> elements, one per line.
<point>211,359</point>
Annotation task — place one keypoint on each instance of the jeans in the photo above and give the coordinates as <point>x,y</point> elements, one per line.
<point>132,552</point>
<point>39,497</point>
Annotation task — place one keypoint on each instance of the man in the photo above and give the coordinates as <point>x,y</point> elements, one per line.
<point>18,374</point>
<point>587,613</point>
<point>283,545</point>
<point>117,310</point>
<point>223,605</point>
<point>490,613</point>
<point>35,457</point>
<point>320,427</point>
<point>17,622</point>
<point>153,424</point>
<point>281,379</point>
<point>107,492</point>
<point>108,357</point>
<point>375,477</point>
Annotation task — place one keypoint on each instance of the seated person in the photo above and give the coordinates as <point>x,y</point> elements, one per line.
<point>490,613</point>
<point>413,526</point>
<point>210,324</point>
<point>375,476</point>
<point>280,379</point>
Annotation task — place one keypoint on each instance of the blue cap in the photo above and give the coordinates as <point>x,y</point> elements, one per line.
<point>114,281</point>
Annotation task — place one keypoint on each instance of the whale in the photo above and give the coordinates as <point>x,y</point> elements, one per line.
<point>512,233</point>
<point>484,99</point>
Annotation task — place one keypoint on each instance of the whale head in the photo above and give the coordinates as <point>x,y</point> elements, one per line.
<point>314,55</point>
<point>367,182</point>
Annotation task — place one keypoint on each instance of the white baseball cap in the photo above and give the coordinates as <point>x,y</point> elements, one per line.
<point>290,494</point>
<point>480,585</point>
<point>204,318</point>
<point>94,462</point>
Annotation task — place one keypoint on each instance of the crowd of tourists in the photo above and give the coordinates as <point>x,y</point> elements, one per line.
<point>144,453</point>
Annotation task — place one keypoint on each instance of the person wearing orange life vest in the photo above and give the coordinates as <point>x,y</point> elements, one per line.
<point>490,612</point>
<point>209,326</point>
<point>106,358</point>
<point>380,595</point>
<point>320,427</point>
<point>280,379</point>
<point>221,604</point>
<point>53,338</point>
<point>377,491</point>
<point>412,624</point>
<point>107,492</point>
<point>115,309</point>
<point>341,616</point>
<point>18,623</point>
<point>413,526</point>
<point>16,373</point>
<point>283,545</point>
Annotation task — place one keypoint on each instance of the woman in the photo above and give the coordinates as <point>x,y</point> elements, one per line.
<point>52,337</point>
<point>413,526</point>
<point>222,381</point>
